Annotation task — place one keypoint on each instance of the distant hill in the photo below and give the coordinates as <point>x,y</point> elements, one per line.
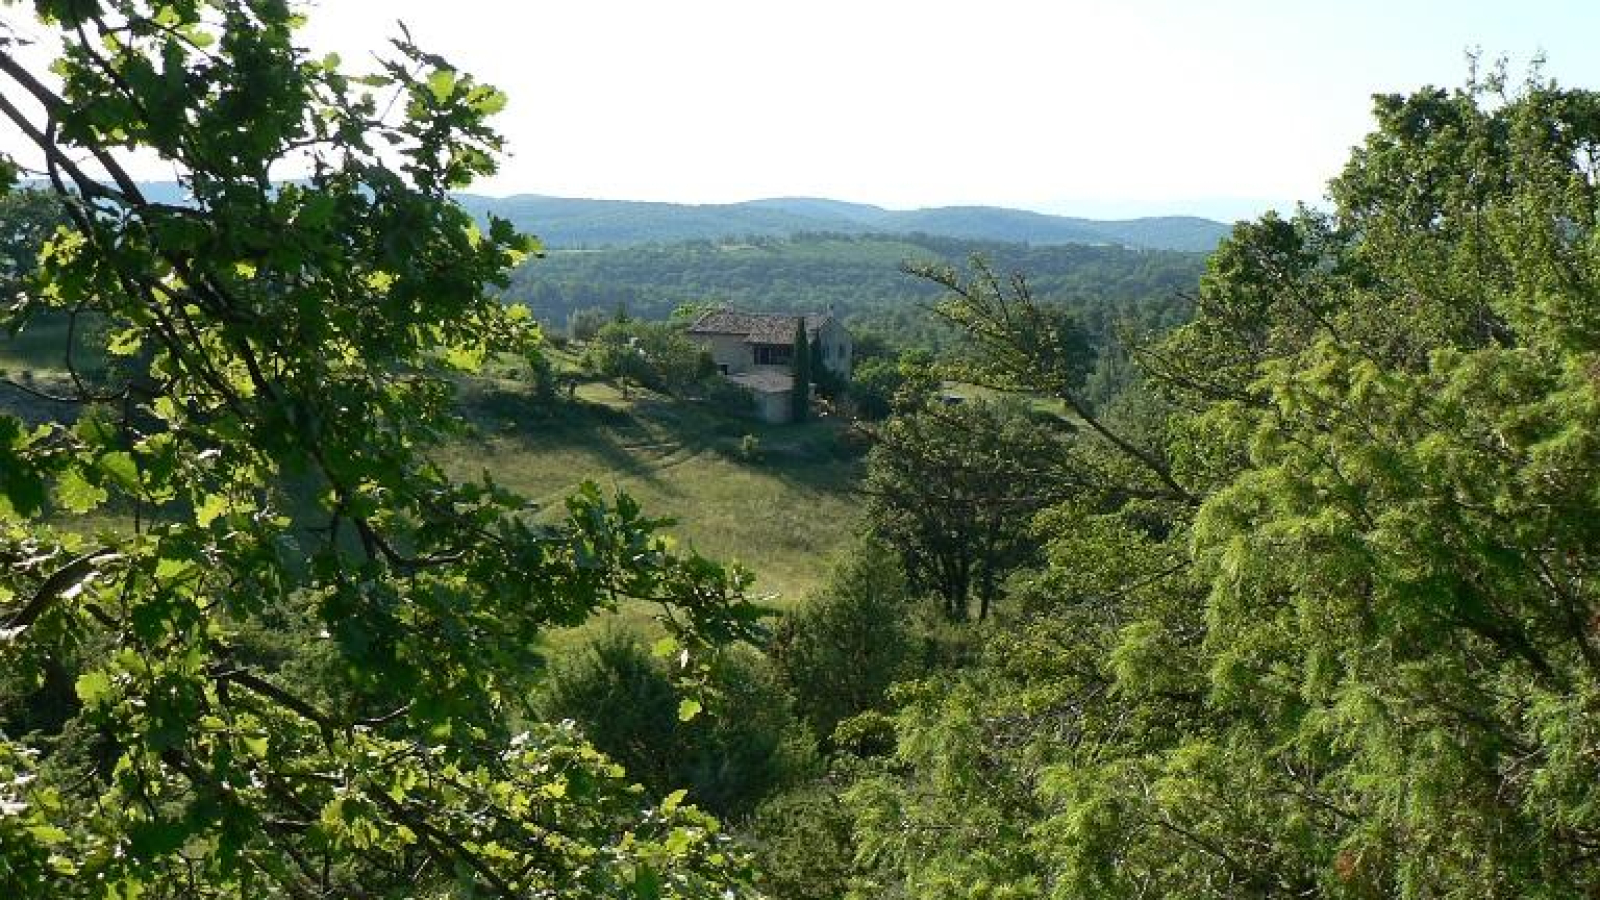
<point>561,222</point>
<point>566,223</point>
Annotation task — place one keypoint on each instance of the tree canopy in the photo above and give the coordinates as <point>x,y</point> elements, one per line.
<point>258,459</point>
<point>1316,615</point>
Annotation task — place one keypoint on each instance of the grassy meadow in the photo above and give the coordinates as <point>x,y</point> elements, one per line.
<point>778,499</point>
<point>779,504</point>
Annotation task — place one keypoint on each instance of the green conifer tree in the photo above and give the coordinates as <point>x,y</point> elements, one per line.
<point>802,371</point>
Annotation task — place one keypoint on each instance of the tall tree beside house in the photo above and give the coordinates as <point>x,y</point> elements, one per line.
<point>802,371</point>
<point>829,384</point>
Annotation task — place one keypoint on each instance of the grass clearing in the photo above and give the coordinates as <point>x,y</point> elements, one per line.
<point>778,499</point>
<point>781,511</point>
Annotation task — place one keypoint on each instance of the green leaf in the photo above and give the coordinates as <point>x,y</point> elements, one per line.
<point>22,491</point>
<point>467,359</point>
<point>255,745</point>
<point>688,708</point>
<point>488,101</point>
<point>121,469</point>
<point>209,509</point>
<point>671,802</point>
<point>92,686</point>
<point>47,834</point>
<point>646,882</point>
<point>125,343</point>
<point>442,83</point>
<point>74,492</point>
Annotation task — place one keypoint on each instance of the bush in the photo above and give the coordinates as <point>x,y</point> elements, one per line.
<point>842,650</point>
<point>804,841</point>
<point>745,745</point>
<point>728,397</point>
<point>653,354</point>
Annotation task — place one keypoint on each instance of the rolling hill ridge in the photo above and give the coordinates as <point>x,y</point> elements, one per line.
<point>563,222</point>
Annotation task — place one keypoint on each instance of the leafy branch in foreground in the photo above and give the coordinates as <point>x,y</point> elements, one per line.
<point>280,360</point>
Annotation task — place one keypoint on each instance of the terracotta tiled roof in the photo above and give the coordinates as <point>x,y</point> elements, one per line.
<point>756,328</point>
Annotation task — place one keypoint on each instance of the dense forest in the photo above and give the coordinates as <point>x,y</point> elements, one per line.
<point>1293,600</point>
<point>859,277</point>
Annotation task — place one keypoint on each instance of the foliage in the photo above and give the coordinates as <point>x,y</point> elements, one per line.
<point>30,218</point>
<point>1324,624</point>
<point>952,489</point>
<point>800,394</point>
<point>624,700</point>
<point>542,378</point>
<point>841,649</point>
<point>803,838</point>
<point>750,448</point>
<point>881,384</point>
<point>285,357</point>
<point>657,355</point>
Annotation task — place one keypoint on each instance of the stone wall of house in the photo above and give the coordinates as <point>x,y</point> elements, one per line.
<point>727,350</point>
<point>773,407</point>
<point>735,355</point>
<point>837,348</point>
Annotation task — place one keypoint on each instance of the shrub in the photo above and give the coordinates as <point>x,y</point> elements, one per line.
<point>804,841</point>
<point>745,745</point>
<point>729,397</point>
<point>840,651</point>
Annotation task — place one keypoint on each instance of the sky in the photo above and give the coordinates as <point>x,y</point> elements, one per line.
<point>1222,108</point>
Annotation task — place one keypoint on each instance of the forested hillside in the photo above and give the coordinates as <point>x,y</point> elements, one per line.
<point>567,223</point>
<point>859,277</point>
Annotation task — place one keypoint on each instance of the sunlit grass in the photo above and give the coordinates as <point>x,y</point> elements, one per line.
<point>780,505</point>
<point>782,512</point>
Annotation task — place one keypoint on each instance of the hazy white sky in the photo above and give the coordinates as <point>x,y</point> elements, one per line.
<point>1215,107</point>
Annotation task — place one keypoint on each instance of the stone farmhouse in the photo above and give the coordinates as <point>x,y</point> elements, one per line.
<point>756,352</point>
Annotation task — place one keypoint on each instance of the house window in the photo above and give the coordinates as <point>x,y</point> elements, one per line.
<point>773,355</point>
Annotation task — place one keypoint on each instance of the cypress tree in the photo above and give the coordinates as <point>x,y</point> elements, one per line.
<point>801,396</point>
